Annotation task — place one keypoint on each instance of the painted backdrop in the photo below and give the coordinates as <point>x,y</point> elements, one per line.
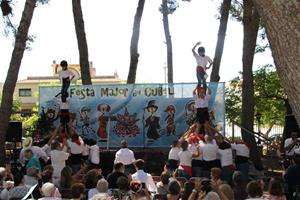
<point>146,115</point>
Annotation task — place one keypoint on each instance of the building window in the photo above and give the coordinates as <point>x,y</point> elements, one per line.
<point>25,92</point>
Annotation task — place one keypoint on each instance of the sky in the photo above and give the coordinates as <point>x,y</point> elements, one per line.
<point>108,27</point>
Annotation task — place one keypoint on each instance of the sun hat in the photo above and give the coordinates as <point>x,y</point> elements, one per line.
<point>27,143</point>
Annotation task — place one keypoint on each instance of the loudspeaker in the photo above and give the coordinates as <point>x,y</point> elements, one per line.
<point>14,132</point>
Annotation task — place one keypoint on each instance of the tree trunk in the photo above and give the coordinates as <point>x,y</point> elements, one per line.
<point>82,43</point>
<point>215,77</point>
<point>282,22</point>
<point>13,72</point>
<point>251,24</point>
<point>168,41</point>
<point>134,55</point>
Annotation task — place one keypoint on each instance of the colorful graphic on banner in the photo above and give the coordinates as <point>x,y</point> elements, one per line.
<point>146,115</point>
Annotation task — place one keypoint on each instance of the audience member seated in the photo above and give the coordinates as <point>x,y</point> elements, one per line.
<point>137,191</point>
<point>162,186</point>
<point>125,156</point>
<point>123,189</point>
<point>49,192</point>
<point>291,144</point>
<point>100,190</point>
<point>275,190</point>
<point>239,188</point>
<point>254,190</point>
<point>202,189</point>
<point>78,191</point>
<point>215,175</point>
<point>118,171</point>
<point>187,190</point>
<point>91,178</point>
<point>174,190</point>
<point>225,192</point>
<point>20,189</point>
<point>66,181</point>
<point>31,178</point>
<point>292,175</point>
<point>142,176</point>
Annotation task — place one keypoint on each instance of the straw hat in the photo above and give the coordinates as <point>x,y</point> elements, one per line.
<point>27,143</point>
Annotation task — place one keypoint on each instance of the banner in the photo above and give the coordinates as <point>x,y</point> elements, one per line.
<point>146,115</point>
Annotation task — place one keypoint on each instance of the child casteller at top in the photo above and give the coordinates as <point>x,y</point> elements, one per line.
<point>202,61</point>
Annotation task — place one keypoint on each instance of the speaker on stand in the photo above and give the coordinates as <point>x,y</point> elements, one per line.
<point>13,140</point>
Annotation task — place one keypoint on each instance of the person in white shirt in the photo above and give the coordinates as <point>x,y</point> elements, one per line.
<point>185,160</point>
<point>65,76</point>
<point>125,156</point>
<point>173,158</point>
<point>209,151</point>
<point>94,155</point>
<point>290,144</point>
<point>225,153</point>
<point>58,160</point>
<point>142,176</point>
<point>75,145</point>
<point>241,158</point>
<point>37,151</point>
<point>197,162</point>
<point>202,61</point>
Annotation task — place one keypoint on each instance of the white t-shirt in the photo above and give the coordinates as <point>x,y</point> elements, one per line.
<point>185,158</point>
<point>46,149</point>
<point>209,151</point>
<point>173,153</point>
<point>193,149</point>
<point>202,103</point>
<point>145,178</point>
<point>94,154</point>
<point>225,157</point>
<point>125,156</point>
<point>86,150</point>
<point>287,142</point>
<point>75,148</point>
<point>241,150</point>
<point>58,161</point>
<point>65,74</point>
<point>202,61</point>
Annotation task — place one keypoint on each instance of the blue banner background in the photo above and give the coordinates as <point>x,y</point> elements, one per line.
<point>121,111</point>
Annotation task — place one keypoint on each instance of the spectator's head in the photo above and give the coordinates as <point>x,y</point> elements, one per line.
<point>102,186</point>
<point>92,142</point>
<point>212,196</point>
<point>139,164</point>
<point>49,168</point>
<point>55,145</point>
<point>206,186</point>
<point>294,135</point>
<point>275,187</point>
<point>227,191</point>
<point>66,178</point>
<point>91,179</point>
<point>164,177</point>
<point>2,173</point>
<point>32,171</point>
<point>184,145</point>
<point>237,178</point>
<point>254,189</point>
<point>119,167</point>
<point>174,187</point>
<point>28,154</point>
<point>122,183</point>
<point>124,144</point>
<point>74,137</point>
<point>77,190</point>
<point>18,178</point>
<point>208,138</point>
<point>215,173</point>
<point>47,176</point>
<point>135,186</point>
<point>48,189</point>
<point>201,51</point>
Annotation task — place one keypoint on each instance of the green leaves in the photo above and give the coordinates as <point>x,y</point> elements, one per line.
<point>269,97</point>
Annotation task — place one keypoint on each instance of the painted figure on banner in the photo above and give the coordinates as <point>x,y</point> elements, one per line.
<point>86,128</point>
<point>127,124</point>
<point>103,118</point>
<point>46,119</point>
<point>190,112</point>
<point>152,122</point>
<point>170,118</point>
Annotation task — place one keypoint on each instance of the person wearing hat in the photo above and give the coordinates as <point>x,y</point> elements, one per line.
<point>125,156</point>
<point>170,118</point>
<point>152,122</point>
<point>36,151</point>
